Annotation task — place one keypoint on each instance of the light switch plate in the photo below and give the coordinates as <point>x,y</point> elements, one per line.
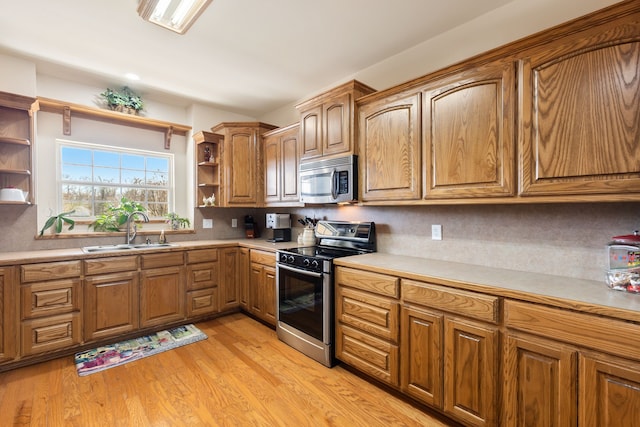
<point>436,232</point>
<point>234,223</point>
<point>207,223</point>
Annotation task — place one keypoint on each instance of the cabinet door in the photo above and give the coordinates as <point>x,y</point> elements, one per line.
<point>8,327</point>
<point>421,355</point>
<point>272,172</point>
<point>290,161</point>
<point>269,284</point>
<point>389,147</point>
<point>468,133</point>
<point>580,114</point>
<point>241,156</point>
<point>311,132</point>
<point>244,268</point>
<point>161,296</point>
<point>470,372</point>
<point>229,290</point>
<point>609,392</point>
<point>256,291</point>
<point>336,116</point>
<point>540,383</point>
<point>110,305</point>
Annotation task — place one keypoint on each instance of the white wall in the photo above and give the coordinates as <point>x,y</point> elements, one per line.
<point>17,76</point>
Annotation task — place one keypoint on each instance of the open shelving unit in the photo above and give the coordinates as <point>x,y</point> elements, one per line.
<point>208,173</point>
<point>16,148</point>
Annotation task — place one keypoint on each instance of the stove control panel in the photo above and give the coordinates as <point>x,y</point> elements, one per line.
<point>305,262</point>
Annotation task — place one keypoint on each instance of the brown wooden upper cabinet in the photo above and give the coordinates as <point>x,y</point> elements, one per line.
<point>242,162</point>
<point>281,160</point>
<point>390,148</point>
<point>468,133</point>
<point>580,120</point>
<point>327,121</point>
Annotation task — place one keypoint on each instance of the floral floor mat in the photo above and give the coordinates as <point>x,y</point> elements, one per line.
<point>108,356</point>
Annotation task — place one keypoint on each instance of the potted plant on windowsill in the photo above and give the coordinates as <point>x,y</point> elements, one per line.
<point>57,222</point>
<point>115,217</point>
<point>177,221</point>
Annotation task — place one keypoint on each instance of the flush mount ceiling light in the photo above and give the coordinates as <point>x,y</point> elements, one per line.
<point>174,15</point>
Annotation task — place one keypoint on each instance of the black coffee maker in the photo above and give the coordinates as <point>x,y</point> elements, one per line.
<point>251,228</point>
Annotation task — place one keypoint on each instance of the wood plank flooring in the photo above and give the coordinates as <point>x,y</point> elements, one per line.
<point>241,375</point>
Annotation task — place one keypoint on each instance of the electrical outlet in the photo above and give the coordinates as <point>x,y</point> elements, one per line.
<point>207,223</point>
<point>234,223</point>
<point>436,232</point>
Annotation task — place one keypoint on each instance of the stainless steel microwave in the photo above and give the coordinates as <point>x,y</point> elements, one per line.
<point>329,180</point>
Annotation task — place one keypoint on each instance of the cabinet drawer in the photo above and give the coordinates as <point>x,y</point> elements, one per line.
<point>200,276</point>
<point>367,281</point>
<point>600,333</point>
<point>371,355</point>
<point>162,260</point>
<point>263,257</point>
<point>203,301</point>
<point>48,298</point>
<point>110,264</point>
<point>202,255</point>
<point>49,270</point>
<point>376,315</point>
<point>50,333</point>
<point>463,303</point>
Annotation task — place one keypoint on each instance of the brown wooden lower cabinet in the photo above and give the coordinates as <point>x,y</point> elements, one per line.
<point>8,327</point>
<point>451,364</point>
<point>229,269</point>
<point>110,305</point>
<point>367,323</point>
<point>203,283</point>
<point>609,391</point>
<point>244,266</point>
<point>262,286</point>
<point>161,296</point>
<point>540,387</point>
<point>50,333</point>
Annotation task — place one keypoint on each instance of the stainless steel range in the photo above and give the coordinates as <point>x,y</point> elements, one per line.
<point>304,277</point>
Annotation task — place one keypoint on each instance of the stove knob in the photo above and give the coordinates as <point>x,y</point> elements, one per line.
<point>314,263</point>
<point>306,262</point>
<point>283,258</point>
<point>290,258</point>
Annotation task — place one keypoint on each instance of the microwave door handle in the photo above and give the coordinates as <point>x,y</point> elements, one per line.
<point>334,185</point>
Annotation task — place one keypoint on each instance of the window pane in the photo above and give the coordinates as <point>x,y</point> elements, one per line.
<point>158,209</point>
<point>109,175</point>
<point>76,173</point>
<point>77,156</point>
<point>132,162</point>
<point>157,164</point>
<point>106,158</point>
<point>132,177</point>
<point>157,178</point>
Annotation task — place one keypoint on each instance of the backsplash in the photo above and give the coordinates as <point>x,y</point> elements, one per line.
<point>559,239</point>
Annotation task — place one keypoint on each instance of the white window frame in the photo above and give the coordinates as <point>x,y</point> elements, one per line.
<point>116,149</point>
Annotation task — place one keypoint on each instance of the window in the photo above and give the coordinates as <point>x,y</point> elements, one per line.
<point>92,176</point>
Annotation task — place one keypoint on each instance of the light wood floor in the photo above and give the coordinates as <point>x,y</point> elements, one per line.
<point>241,375</point>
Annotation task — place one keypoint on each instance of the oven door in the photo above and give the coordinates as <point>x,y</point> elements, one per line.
<point>304,302</point>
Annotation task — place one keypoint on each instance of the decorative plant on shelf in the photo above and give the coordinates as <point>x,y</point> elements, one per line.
<point>177,221</point>
<point>124,100</point>
<point>115,217</point>
<point>58,221</point>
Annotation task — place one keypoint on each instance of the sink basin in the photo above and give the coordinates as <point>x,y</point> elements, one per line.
<point>123,247</point>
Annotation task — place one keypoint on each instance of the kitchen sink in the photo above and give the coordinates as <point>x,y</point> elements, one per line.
<point>123,247</point>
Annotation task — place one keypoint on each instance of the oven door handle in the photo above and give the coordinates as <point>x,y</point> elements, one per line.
<point>297,270</point>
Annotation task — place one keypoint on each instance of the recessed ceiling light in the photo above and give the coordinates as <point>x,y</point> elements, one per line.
<point>175,15</point>
<point>132,76</point>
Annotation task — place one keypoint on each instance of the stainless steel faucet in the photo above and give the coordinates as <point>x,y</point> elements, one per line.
<point>130,237</point>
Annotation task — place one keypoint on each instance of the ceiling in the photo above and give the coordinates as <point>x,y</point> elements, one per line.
<point>246,56</point>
